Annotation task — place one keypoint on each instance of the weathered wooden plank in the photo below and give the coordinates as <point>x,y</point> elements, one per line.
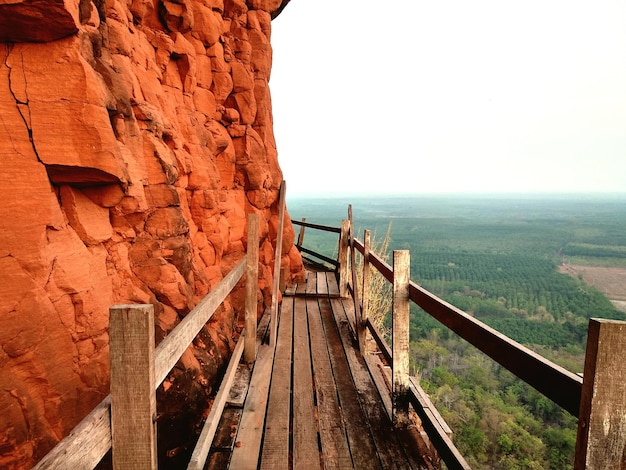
<point>133,396</point>
<point>85,445</point>
<point>426,403</point>
<point>275,453</point>
<point>301,288</point>
<point>239,389</point>
<point>333,285</point>
<point>343,258</point>
<point>203,445</point>
<point>241,383</point>
<point>262,329</point>
<point>306,454</point>
<point>389,449</point>
<point>437,430</point>
<point>358,325</point>
<point>382,382</point>
<point>248,446</point>
<point>290,290</point>
<point>169,350</point>
<point>321,284</point>
<point>361,443</point>
<point>252,286</point>
<point>333,439</point>
<point>365,293</point>
<point>400,337</point>
<point>601,440</point>
<point>311,283</point>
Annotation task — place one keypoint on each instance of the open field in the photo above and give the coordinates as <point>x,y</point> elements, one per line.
<point>610,281</point>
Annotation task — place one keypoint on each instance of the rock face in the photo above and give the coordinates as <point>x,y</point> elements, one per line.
<point>135,137</point>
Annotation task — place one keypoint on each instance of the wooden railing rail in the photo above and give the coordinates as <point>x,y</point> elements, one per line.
<point>125,419</point>
<point>324,228</point>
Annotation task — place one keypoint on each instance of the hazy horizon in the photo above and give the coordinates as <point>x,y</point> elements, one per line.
<point>483,96</point>
<point>486,194</point>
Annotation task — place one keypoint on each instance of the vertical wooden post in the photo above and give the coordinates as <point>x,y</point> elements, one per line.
<point>358,317</point>
<point>252,286</point>
<point>301,233</point>
<point>601,440</point>
<point>365,291</point>
<point>277,258</point>
<point>133,396</point>
<point>343,258</point>
<point>400,337</point>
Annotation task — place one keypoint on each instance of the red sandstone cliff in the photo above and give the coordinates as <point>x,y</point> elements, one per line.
<point>135,136</point>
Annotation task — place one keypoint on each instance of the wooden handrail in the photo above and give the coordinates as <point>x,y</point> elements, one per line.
<point>324,228</point>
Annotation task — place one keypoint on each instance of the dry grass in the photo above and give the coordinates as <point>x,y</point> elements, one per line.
<point>380,298</point>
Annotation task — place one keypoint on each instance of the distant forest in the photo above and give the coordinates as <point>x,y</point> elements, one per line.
<point>497,258</point>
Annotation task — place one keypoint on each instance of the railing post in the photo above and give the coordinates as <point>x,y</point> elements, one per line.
<point>400,337</point>
<point>301,233</point>
<point>365,292</point>
<point>359,326</point>
<point>277,258</point>
<point>601,440</point>
<point>252,286</point>
<point>133,396</point>
<point>343,258</point>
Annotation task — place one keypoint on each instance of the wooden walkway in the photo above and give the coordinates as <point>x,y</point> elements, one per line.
<point>312,403</point>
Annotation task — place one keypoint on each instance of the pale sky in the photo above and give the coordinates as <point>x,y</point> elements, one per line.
<point>450,96</point>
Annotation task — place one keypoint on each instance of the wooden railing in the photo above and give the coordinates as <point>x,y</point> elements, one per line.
<point>125,421</point>
<point>598,398</point>
<point>303,225</point>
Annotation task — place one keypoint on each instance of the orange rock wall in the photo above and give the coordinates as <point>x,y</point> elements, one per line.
<point>135,137</point>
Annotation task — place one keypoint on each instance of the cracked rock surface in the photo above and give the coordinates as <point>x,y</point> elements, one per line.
<point>135,137</point>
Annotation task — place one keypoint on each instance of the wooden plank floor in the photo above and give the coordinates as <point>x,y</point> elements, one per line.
<point>312,402</point>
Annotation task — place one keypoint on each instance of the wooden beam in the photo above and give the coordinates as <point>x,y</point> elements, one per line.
<point>252,287</point>
<point>400,337</point>
<point>359,326</point>
<point>133,396</point>
<point>248,446</point>
<point>305,448</point>
<point>436,428</point>
<point>301,233</point>
<point>601,440</point>
<point>365,292</point>
<point>203,445</point>
<point>275,452</point>
<point>343,258</point>
<point>324,228</point>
